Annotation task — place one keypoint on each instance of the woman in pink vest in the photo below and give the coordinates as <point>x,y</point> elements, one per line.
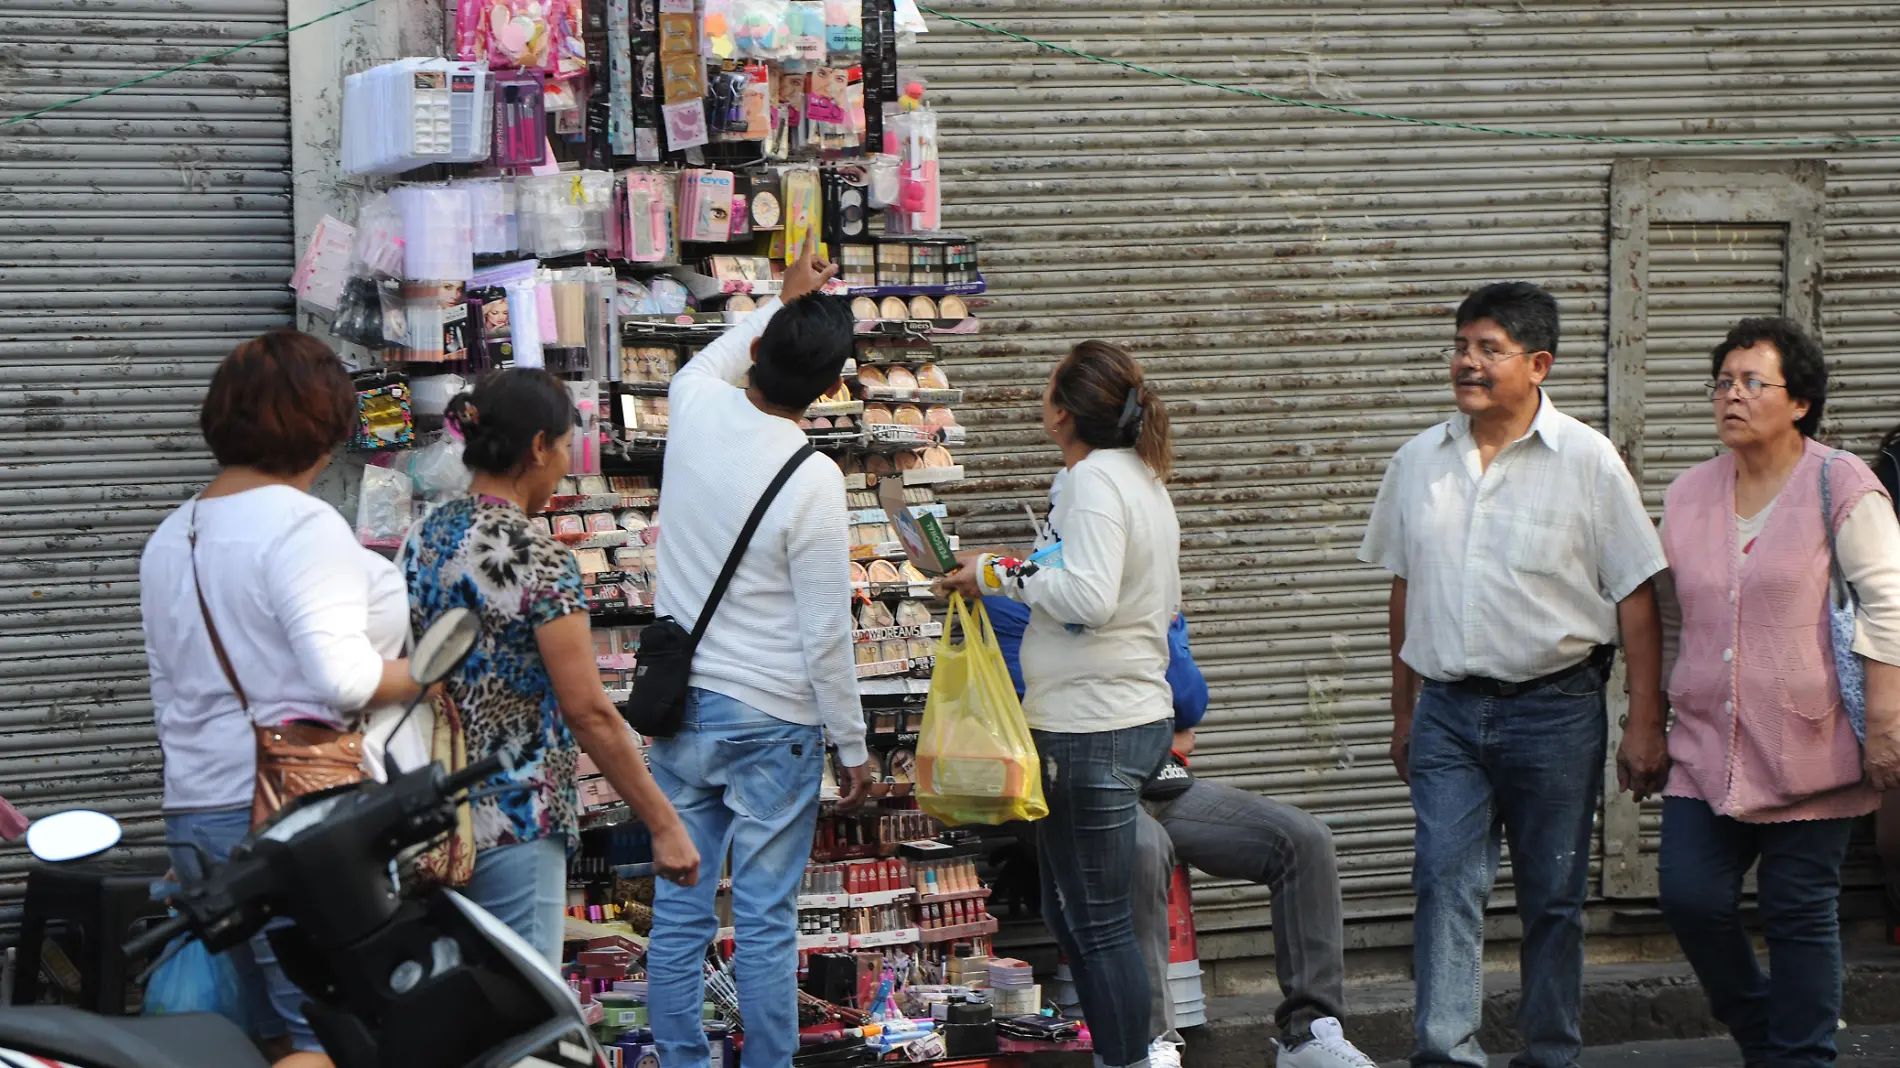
<point>1766,764</point>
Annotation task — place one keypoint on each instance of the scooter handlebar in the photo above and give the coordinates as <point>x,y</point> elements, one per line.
<point>156,937</point>
<point>451,786</point>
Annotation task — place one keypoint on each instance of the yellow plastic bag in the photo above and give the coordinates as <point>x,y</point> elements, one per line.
<point>975,761</point>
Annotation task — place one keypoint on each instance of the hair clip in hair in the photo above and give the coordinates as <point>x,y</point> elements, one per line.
<point>470,416</point>
<point>1131,410</point>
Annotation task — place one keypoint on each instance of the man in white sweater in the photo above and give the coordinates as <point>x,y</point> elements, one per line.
<point>773,678</point>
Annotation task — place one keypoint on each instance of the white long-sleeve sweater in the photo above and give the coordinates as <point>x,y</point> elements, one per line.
<point>306,613</point>
<point>780,640</point>
<point>1095,653</point>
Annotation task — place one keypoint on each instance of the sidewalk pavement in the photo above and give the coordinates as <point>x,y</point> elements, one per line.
<point>1644,1004</point>
<point>1861,1047</point>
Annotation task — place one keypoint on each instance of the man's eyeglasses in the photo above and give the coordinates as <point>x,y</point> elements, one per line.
<point>1486,354</point>
<point>1748,387</point>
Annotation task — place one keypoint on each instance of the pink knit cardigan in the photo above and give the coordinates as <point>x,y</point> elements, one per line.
<point>1760,734</point>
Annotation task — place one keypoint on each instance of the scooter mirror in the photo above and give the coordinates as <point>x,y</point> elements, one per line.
<point>444,645</point>
<point>72,835</point>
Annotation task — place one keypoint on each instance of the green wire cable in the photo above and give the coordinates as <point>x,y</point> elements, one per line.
<point>1384,116</point>
<point>201,60</point>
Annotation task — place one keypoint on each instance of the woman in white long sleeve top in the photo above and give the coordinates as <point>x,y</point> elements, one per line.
<point>312,622</point>
<point>1102,590</point>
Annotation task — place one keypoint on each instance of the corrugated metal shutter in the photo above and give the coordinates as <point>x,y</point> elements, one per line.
<point>142,235</point>
<point>1280,270</point>
<point>1702,279</point>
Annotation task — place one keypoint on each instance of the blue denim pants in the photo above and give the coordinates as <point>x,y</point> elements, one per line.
<point>524,885</point>
<point>1527,770</point>
<point>273,1005</point>
<point>1088,850</point>
<point>745,783</point>
<point>1785,1018</point>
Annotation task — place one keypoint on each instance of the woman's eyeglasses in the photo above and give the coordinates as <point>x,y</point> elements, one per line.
<point>1747,387</point>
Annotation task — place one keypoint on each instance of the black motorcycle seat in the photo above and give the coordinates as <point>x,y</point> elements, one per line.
<point>191,1040</point>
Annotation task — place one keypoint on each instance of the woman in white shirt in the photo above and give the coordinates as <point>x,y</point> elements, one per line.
<point>312,622</point>
<point>1102,589</point>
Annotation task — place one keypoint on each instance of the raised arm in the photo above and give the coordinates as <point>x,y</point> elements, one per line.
<point>726,359</point>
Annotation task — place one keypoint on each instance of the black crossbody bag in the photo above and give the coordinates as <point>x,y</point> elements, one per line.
<point>665,661</point>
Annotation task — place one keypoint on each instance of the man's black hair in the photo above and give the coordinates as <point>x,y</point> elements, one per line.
<point>803,350</point>
<point>1526,312</point>
<point>1803,367</point>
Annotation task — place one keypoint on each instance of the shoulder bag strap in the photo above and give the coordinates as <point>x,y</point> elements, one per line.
<point>1839,592</point>
<point>745,538</point>
<point>217,643</point>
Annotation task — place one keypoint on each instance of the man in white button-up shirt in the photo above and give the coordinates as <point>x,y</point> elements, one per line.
<point>1520,551</point>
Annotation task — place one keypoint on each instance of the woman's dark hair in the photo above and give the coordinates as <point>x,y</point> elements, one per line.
<point>803,350</point>
<point>1114,407</point>
<point>501,417</point>
<point>1802,365</point>
<point>278,403</point>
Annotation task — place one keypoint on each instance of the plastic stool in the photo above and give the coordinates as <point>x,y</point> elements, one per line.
<point>104,902</point>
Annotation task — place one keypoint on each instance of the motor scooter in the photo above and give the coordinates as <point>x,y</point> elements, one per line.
<point>396,975</point>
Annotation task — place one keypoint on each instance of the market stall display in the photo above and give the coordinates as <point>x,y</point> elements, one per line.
<point>604,187</point>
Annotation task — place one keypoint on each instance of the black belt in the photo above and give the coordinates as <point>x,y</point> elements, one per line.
<point>1599,660</point>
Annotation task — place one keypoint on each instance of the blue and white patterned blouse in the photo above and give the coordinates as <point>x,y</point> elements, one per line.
<point>481,553</point>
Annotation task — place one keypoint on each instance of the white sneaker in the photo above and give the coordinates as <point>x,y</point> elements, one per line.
<point>1327,1048</point>
<point>1163,1054</point>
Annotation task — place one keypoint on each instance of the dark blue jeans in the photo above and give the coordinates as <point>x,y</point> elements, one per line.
<point>1527,770</point>
<point>1087,850</point>
<point>1786,1018</point>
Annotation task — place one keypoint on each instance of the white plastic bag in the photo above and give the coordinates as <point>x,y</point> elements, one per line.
<point>383,508</point>
<point>437,471</point>
<point>386,735</point>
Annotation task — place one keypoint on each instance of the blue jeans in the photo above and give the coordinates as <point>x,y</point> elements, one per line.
<point>1087,847</point>
<point>273,1004</point>
<point>1787,1017</point>
<point>1528,769</point>
<point>747,783</point>
<point>524,885</point>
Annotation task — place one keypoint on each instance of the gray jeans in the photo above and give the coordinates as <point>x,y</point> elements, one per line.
<point>1233,834</point>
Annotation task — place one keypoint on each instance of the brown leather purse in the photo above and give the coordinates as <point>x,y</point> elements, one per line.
<point>293,759</point>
